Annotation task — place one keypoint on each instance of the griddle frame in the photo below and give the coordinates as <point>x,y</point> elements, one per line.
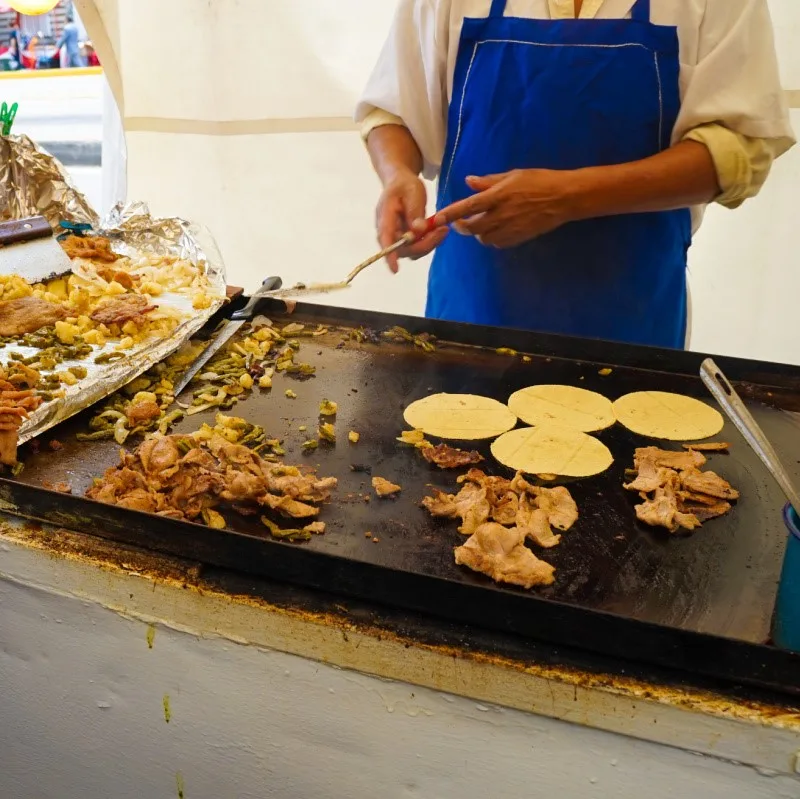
<point>720,658</point>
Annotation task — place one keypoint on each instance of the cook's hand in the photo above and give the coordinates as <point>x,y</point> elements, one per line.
<point>401,208</point>
<point>511,208</point>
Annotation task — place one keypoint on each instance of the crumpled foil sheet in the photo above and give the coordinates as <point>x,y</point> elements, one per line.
<point>33,182</point>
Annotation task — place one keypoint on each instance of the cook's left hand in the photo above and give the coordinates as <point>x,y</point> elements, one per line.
<point>511,208</point>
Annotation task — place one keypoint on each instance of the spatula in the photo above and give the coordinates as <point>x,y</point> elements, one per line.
<point>29,249</point>
<point>732,404</point>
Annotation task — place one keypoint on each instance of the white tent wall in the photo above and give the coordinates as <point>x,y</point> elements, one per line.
<point>236,115</point>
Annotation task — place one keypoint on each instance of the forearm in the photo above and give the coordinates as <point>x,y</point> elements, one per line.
<point>393,151</point>
<point>680,177</point>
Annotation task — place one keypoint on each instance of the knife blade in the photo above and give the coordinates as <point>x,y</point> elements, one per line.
<point>238,319</point>
<point>223,337</point>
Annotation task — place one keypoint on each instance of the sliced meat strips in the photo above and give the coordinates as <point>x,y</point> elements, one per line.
<point>676,494</point>
<point>500,553</point>
<point>486,505</point>
<point>27,315</point>
<point>181,476</point>
<point>18,399</point>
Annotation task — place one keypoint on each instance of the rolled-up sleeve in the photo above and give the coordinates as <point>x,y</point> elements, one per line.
<point>743,163</point>
<point>377,118</point>
<point>408,84</point>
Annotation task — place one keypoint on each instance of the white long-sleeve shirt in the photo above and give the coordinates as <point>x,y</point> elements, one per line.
<point>732,99</point>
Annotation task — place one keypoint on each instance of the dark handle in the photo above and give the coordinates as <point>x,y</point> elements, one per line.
<point>251,309</point>
<point>19,230</point>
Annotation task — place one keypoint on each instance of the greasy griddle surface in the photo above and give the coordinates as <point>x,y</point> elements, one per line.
<point>720,580</point>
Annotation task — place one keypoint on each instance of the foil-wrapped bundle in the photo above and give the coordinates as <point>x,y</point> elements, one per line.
<point>34,183</point>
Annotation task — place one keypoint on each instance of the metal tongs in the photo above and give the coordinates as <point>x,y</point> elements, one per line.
<point>732,404</point>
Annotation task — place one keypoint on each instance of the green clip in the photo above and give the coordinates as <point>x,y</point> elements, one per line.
<point>7,116</point>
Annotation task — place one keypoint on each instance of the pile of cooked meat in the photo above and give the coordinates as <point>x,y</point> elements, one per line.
<point>18,399</point>
<point>677,494</point>
<point>182,477</point>
<point>499,515</point>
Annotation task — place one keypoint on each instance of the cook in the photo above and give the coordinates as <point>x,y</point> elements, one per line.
<point>576,143</point>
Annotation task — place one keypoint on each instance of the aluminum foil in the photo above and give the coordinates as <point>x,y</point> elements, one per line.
<point>32,182</point>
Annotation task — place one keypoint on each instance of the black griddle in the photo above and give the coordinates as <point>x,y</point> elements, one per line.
<point>701,603</point>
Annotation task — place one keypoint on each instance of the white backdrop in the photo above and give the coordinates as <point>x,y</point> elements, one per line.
<point>237,116</point>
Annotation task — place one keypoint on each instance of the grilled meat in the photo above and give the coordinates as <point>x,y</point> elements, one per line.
<point>500,553</point>
<point>18,399</point>
<point>498,514</point>
<point>181,476</point>
<point>95,248</point>
<point>709,446</point>
<point>27,315</point>
<point>534,523</point>
<point>708,483</point>
<point>561,509</point>
<point>122,309</point>
<point>446,457</point>
<point>677,494</point>
<point>384,488</point>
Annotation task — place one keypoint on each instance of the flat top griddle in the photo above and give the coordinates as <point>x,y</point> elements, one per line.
<point>701,603</point>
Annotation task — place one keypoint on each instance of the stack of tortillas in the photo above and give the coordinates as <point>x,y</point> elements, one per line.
<point>561,417</point>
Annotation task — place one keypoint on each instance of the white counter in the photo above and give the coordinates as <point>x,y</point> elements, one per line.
<point>127,676</point>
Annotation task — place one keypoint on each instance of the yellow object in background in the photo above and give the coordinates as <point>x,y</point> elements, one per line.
<point>33,7</point>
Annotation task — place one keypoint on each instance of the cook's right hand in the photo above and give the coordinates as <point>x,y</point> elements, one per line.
<point>401,208</point>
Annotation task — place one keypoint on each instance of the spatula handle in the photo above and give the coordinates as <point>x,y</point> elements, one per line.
<point>21,230</point>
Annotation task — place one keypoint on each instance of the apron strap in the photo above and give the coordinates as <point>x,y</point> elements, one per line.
<point>498,8</point>
<point>641,11</point>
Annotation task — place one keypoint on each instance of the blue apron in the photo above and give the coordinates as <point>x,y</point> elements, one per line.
<point>564,95</point>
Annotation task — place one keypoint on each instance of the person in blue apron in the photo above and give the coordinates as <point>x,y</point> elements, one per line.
<point>576,143</point>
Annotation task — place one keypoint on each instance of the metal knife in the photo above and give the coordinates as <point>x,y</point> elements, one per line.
<point>238,319</point>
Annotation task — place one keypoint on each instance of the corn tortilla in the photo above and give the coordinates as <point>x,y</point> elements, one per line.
<point>675,417</point>
<point>576,408</point>
<point>553,450</point>
<point>460,417</point>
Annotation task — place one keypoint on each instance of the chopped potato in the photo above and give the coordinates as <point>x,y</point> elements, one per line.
<point>328,408</point>
<point>66,332</point>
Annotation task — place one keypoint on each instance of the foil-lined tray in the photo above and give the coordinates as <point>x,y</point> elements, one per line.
<point>33,182</point>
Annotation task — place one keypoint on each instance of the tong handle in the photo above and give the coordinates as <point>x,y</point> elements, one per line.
<point>411,236</point>
<point>405,241</point>
<point>737,412</point>
<point>249,311</point>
